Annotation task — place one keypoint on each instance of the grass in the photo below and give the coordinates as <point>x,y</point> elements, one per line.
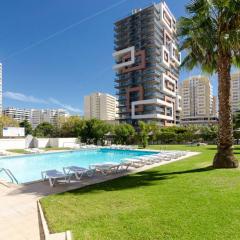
<point>23,151</point>
<point>19,151</point>
<point>55,148</point>
<point>183,200</point>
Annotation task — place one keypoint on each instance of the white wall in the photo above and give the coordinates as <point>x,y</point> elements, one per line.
<point>41,142</point>
<point>63,142</point>
<point>21,143</point>
<point>6,143</point>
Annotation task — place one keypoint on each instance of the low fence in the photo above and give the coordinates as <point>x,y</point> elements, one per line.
<point>15,143</point>
<point>22,143</point>
<point>63,142</point>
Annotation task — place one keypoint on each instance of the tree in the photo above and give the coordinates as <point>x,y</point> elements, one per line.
<point>44,129</point>
<point>210,35</point>
<point>143,134</point>
<point>236,120</point>
<point>209,134</point>
<point>94,131</point>
<point>153,131</point>
<point>72,127</point>
<point>124,133</point>
<point>7,122</point>
<point>167,135</point>
<point>28,127</point>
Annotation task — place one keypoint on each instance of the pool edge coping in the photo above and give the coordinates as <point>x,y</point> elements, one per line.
<point>62,151</point>
<point>67,235</point>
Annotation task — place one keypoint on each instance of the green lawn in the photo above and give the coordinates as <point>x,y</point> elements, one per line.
<point>19,151</point>
<point>22,151</point>
<point>55,148</point>
<point>182,200</point>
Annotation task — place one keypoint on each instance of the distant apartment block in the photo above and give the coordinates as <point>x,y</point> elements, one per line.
<point>147,66</point>
<point>36,116</point>
<point>100,106</point>
<point>235,91</point>
<point>199,106</point>
<point>47,115</point>
<point>1,102</point>
<point>17,114</point>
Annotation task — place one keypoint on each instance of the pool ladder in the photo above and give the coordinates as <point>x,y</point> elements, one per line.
<point>9,174</point>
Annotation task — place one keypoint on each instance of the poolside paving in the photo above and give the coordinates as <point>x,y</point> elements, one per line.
<point>19,216</point>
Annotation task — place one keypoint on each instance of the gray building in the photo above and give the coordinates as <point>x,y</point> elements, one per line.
<point>147,66</point>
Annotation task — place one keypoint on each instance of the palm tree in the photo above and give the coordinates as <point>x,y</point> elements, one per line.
<point>211,37</point>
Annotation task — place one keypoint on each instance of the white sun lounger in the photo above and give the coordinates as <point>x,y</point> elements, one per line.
<point>4,153</point>
<point>145,159</point>
<point>150,159</point>
<point>54,175</point>
<point>135,162</point>
<point>106,167</point>
<point>78,171</point>
<point>34,150</point>
<point>163,156</point>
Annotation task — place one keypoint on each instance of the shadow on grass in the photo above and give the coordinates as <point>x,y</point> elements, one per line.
<point>212,148</point>
<point>141,179</point>
<point>235,149</point>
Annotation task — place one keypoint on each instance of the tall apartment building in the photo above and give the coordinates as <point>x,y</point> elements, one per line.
<point>35,116</point>
<point>199,106</point>
<point>147,66</point>
<point>17,114</point>
<point>235,91</point>
<point>100,106</point>
<point>1,102</point>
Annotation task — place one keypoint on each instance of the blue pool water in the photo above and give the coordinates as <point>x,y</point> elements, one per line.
<point>28,168</point>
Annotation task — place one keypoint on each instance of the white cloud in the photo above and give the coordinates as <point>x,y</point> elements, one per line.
<point>65,106</point>
<point>23,98</point>
<point>31,99</point>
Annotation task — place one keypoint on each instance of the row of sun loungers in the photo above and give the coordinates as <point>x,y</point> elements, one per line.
<point>4,152</point>
<point>109,167</point>
<point>89,146</point>
<point>34,150</point>
<point>121,147</point>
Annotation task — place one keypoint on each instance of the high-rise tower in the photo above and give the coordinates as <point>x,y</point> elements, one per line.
<point>147,66</point>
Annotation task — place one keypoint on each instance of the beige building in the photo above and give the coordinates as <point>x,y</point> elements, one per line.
<point>235,91</point>
<point>1,107</point>
<point>199,106</point>
<point>100,106</point>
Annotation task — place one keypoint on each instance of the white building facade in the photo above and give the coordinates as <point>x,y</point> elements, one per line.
<point>235,91</point>
<point>198,103</point>
<point>101,106</point>
<point>17,114</point>
<point>36,116</point>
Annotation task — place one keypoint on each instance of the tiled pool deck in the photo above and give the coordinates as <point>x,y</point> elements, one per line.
<point>19,216</point>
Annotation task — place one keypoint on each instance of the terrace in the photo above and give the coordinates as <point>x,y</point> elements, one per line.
<point>18,202</point>
<point>181,200</point>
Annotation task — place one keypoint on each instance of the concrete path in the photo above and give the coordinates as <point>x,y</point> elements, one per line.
<point>19,216</point>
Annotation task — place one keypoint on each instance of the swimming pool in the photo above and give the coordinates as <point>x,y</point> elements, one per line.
<point>28,168</point>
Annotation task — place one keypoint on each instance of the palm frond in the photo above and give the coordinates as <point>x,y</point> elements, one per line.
<point>212,25</point>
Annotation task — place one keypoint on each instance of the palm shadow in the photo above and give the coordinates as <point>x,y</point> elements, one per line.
<point>141,179</point>
<point>120,182</point>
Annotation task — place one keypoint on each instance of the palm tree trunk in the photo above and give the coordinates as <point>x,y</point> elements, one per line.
<point>224,157</point>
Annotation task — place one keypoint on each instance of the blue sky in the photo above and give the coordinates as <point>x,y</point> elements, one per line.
<point>55,52</point>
